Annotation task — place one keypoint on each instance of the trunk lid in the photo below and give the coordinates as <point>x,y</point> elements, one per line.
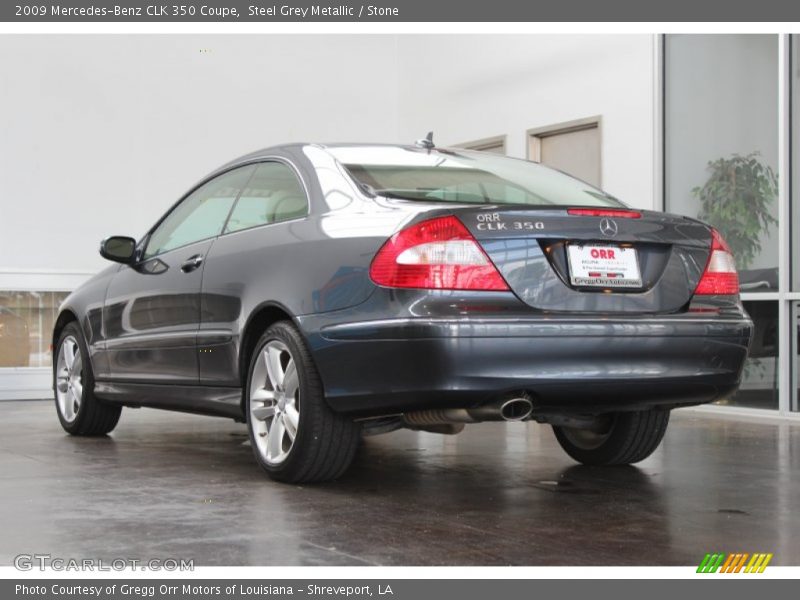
<point>557,261</point>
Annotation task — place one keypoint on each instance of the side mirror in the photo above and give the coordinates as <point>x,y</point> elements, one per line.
<point>118,248</point>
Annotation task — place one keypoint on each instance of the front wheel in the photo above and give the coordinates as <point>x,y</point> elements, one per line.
<point>79,411</point>
<point>295,435</point>
<point>623,438</point>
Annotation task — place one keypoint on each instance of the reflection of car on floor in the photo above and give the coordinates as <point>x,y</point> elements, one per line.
<point>319,292</point>
<point>14,340</point>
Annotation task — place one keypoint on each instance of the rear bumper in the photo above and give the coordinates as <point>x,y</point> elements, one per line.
<point>581,365</point>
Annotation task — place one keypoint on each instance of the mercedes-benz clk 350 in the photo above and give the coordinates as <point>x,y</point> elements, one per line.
<point>324,292</point>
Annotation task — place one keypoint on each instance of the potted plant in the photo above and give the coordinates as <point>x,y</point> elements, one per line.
<point>736,200</point>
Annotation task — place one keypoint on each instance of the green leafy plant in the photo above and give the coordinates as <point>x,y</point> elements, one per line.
<point>736,200</point>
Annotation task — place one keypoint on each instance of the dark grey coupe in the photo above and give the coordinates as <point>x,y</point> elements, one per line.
<point>324,292</point>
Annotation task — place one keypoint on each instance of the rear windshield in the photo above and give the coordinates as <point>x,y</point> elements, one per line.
<point>464,177</point>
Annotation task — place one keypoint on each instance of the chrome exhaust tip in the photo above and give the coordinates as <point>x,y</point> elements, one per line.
<point>516,409</point>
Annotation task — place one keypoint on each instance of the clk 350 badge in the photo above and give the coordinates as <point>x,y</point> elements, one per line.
<point>491,222</point>
<point>527,225</point>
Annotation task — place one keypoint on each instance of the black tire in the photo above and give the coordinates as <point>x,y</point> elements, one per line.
<point>629,437</point>
<point>325,442</point>
<point>93,417</point>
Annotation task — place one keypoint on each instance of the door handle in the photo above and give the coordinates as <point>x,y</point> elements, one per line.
<point>191,263</point>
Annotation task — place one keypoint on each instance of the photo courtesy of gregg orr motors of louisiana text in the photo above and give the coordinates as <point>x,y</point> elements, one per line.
<point>164,590</point>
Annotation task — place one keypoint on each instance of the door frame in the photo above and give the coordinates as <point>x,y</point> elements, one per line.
<point>535,135</point>
<point>484,143</point>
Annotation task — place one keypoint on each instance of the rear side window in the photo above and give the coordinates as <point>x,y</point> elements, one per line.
<point>201,215</point>
<point>273,194</point>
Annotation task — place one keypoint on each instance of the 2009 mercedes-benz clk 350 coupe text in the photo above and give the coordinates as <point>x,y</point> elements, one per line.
<point>324,292</point>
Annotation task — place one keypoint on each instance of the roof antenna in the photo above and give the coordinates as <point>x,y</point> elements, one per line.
<point>426,142</point>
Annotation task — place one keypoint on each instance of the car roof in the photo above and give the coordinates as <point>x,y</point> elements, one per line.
<point>280,148</point>
<point>292,148</point>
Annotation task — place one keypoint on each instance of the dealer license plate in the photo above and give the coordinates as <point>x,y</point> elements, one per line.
<point>603,266</point>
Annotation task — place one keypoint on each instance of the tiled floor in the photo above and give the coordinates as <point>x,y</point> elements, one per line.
<point>172,485</point>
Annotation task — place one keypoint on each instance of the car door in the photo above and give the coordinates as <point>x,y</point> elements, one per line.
<point>245,265</point>
<point>152,309</point>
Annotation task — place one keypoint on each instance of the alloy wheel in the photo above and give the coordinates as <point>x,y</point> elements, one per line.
<point>69,379</point>
<point>274,394</point>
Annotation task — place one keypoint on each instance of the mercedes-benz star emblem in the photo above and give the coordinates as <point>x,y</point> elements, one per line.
<point>608,227</point>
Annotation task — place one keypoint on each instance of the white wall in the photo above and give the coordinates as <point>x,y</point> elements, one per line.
<point>470,87</point>
<point>100,134</point>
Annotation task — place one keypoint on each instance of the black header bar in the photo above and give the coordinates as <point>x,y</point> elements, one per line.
<point>400,11</point>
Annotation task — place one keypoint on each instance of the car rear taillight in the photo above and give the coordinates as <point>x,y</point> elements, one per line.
<point>720,277</point>
<point>605,212</point>
<point>436,254</point>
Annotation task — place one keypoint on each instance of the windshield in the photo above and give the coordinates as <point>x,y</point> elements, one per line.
<point>464,177</point>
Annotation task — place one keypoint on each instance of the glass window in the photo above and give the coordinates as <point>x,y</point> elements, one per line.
<point>759,387</point>
<point>201,215</point>
<point>273,194</point>
<point>795,154</point>
<point>26,326</point>
<point>795,343</point>
<point>464,177</point>
<point>721,143</point>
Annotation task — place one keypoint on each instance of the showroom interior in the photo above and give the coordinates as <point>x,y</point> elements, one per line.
<point>101,133</point>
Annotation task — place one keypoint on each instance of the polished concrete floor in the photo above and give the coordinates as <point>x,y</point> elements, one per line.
<point>171,485</point>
